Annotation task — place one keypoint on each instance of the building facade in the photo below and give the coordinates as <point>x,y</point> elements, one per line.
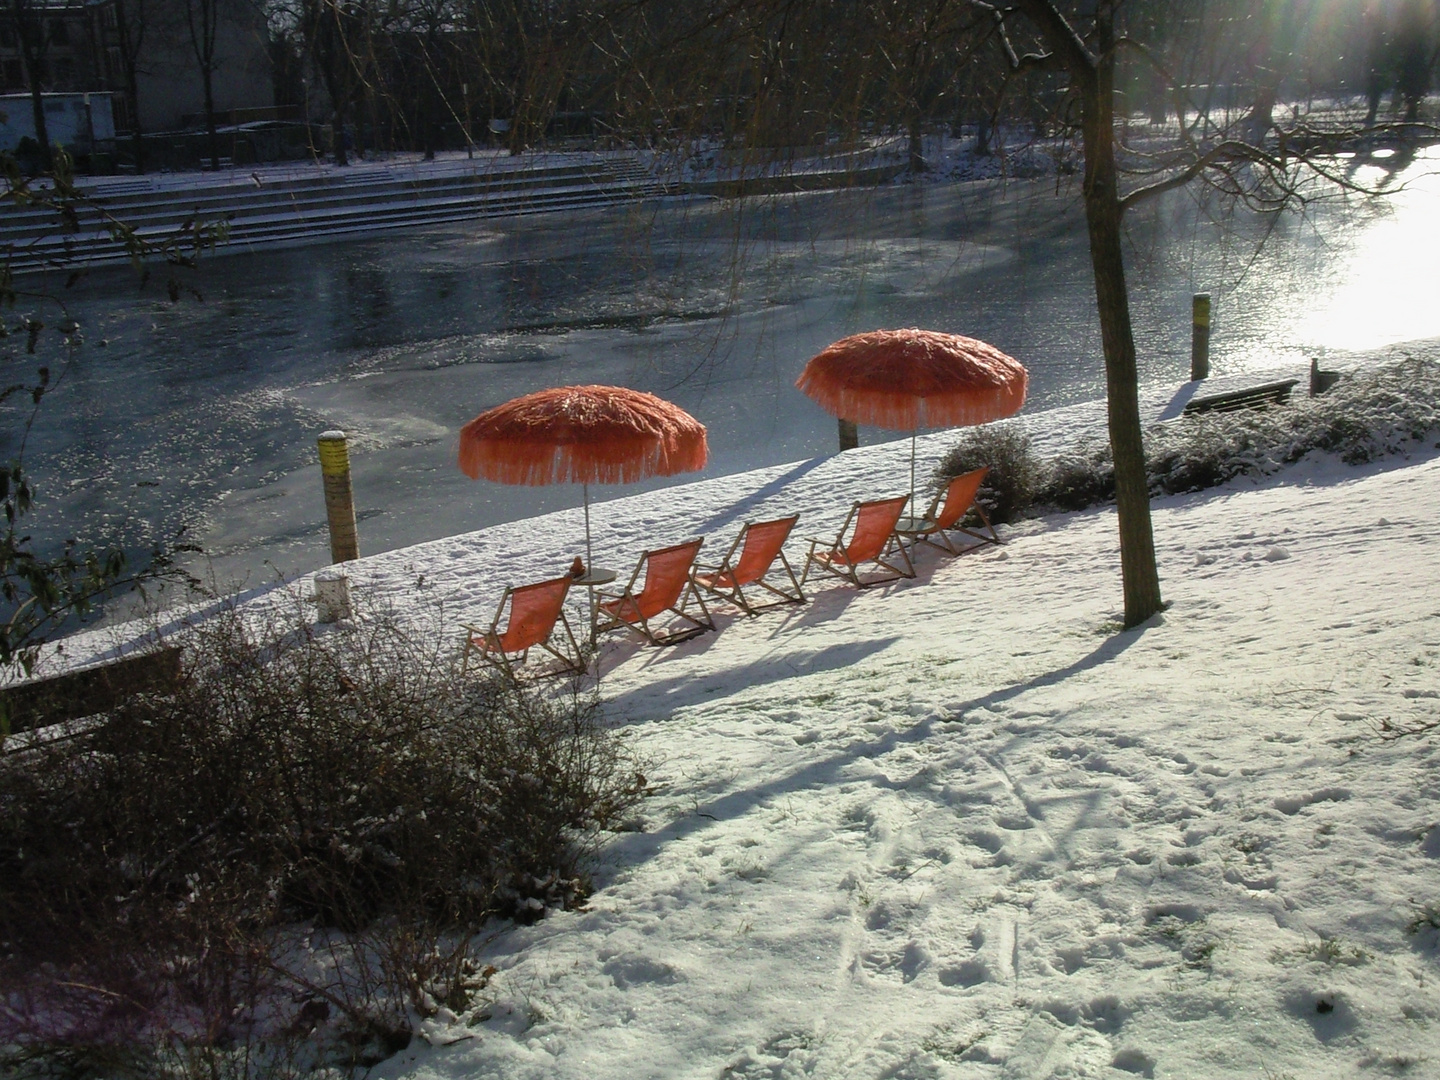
<point>79,45</point>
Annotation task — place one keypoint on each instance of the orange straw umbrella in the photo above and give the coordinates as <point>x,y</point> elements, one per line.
<point>585,435</point>
<point>908,379</point>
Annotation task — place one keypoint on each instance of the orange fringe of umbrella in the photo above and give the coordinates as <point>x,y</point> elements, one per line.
<point>908,379</point>
<point>582,434</point>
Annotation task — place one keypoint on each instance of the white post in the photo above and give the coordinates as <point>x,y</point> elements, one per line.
<point>332,596</point>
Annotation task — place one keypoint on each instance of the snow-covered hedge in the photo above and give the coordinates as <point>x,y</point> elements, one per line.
<point>1367,415</point>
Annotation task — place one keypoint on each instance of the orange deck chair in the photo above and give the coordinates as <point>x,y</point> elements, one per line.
<point>873,541</point>
<point>959,498</point>
<point>668,588</point>
<point>759,544</point>
<point>534,612</point>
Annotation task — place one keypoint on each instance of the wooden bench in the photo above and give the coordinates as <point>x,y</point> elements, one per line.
<point>1250,397</point>
<point>73,694</point>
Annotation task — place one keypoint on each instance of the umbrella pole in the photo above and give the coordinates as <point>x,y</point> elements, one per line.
<point>589,561</point>
<point>590,569</point>
<point>913,514</point>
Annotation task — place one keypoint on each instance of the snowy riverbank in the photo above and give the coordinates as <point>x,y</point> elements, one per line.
<point>962,827</point>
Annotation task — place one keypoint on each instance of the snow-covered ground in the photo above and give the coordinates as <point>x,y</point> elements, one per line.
<point>963,826</point>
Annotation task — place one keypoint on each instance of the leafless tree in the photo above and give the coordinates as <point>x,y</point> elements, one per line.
<point>1264,163</point>
<point>27,18</point>
<point>1251,139</point>
<point>1416,30</point>
<point>924,47</point>
<point>202,19</point>
<point>132,19</point>
<point>334,33</point>
<point>526,56</point>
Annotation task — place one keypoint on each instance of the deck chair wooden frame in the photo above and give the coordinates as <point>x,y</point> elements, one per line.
<point>666,590</point>
<point>749,561</point>
<point>958,498</point>
<point>542,609</point>
<point>873,541</point>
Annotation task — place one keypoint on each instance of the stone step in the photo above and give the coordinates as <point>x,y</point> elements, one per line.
<point>288,209</point>
<point>320,217</point>
<point>174,208</point>
<point>297,180</point>
<point>253,230</point>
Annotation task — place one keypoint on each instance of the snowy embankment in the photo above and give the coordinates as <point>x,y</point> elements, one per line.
<point>963,826</point>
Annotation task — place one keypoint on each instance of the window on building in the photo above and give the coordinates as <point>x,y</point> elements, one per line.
<point>59,32</point>
<point>7,37</point>
<point>14,75</point>
<point>115,66</point>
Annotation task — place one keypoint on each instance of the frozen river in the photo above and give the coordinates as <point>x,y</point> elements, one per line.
<point>205,414</point>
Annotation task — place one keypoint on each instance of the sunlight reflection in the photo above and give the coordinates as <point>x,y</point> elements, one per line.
<point>1385,292</point>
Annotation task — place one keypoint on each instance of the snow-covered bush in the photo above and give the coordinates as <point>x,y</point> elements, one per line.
<point>350,780</point>
<point>1366,416</point>
<point>1015,471</point>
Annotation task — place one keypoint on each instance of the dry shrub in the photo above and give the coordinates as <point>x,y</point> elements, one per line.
<point>168,872</point>
<point>1083,477</point>
<point>1009,487</point>
<point>1368,415</point>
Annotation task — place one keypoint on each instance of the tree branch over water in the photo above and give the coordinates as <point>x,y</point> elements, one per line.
<point>47,582</point>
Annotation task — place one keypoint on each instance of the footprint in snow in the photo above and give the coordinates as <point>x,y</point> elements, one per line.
<point>1253,882</point>
<point>1135,1061</point>
<point>906,963</point>
<point>785,1054</point>
<point>971,972</point>
<point>1293,804</point>
<point>629,971</point>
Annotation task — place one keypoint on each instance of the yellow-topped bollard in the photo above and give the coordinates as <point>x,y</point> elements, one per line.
<point>339,498</point>
<point>1200,336</point>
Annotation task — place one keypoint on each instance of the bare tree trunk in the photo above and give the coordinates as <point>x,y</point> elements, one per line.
<point>201,18</point>
<point>1102,214</point>
<point>1132,496</point>
<point>130,33</point>
<point>1262,113</point>
<point>1280,27</point>
<point>42,133</point>
<point>338,133</point>
<point>1094,81</point>
<point>1377,62</point>
<point>137,136</point>
<point>30,30</point>
<point>1414,58</point>
<point>325,40</point>
<point>360,107</point>
<point>430,96</point>
<point>917,146</point>
<point>427,121</point>
<point>212,135</point>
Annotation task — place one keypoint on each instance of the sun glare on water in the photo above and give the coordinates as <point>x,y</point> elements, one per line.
<point>1386,290</point>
